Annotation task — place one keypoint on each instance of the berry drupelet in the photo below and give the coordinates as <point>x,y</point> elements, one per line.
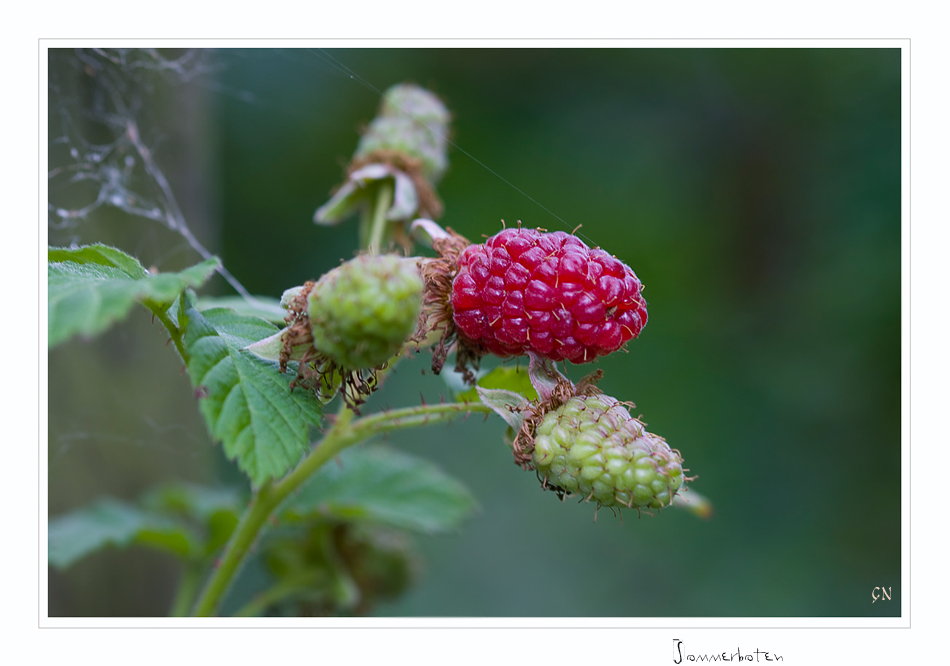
<point>549,293</point>
<point>591,446</point>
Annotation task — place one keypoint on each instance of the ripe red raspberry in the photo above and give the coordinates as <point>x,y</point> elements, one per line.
<point>524,290</point>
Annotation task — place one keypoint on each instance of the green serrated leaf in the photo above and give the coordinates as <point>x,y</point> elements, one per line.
<point>111,522</point>
<point>266,308</point>
<point>92,287</point>
<point>379,485</point>
<point>508,378</point>
<point>102,255</point>
<point>270,349</point>
<point>246,402</point>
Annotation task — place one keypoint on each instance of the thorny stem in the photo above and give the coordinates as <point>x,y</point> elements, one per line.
<point>344,432</point>
<point>238,546</point>
<point>173,330</point>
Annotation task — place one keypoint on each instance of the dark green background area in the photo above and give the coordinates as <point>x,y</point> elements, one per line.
<point>756,193</point>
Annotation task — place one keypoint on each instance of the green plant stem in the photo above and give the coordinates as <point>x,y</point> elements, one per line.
<point>366,222</point>
<point>257,511</point>
<point>173,330</point>
<point>187,589</point>
<point>384,201</point>
<point>283,590</point>
<point>344,432</point>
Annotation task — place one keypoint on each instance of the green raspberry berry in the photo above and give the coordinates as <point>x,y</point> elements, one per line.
<point>407,144</point>
<point>406,99</point>
<point>406,135</point>
<point>412,121</point>
<point>362,312</point>
<point>591,446</point>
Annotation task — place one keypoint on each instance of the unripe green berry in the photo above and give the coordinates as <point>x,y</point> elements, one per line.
<point>592,447</point>
<point>406,143</point>
<point>406,99</point>
<point>406,135</point>
<point>414,122</point>
<point>362,312</point>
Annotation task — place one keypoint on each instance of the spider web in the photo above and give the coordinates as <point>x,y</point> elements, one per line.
<point>110,148</point>
<point>102,143</point>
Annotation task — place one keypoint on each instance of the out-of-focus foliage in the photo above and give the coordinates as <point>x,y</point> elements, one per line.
<point>756,193</point>
<point>337,547</point>
<point>385,487</point>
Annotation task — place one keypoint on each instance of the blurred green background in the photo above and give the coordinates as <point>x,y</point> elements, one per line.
<point>756,193</point>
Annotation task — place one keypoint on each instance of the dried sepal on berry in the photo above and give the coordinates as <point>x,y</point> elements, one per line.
<point>438,275</point>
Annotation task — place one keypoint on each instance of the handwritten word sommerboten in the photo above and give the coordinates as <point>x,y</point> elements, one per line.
<point>680,655</point>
